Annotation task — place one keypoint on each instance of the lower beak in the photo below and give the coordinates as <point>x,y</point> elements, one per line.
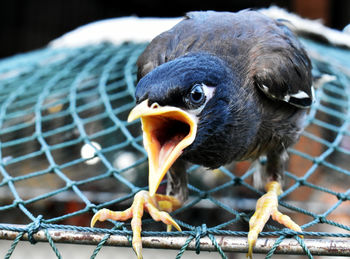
<point>167,131</point>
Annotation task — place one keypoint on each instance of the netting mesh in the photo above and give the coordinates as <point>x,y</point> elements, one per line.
<point>67,151</point>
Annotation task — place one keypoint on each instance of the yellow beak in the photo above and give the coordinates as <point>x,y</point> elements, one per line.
<point>167,131</point>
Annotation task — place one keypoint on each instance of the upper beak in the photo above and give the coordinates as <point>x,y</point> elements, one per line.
<point>167,131</point>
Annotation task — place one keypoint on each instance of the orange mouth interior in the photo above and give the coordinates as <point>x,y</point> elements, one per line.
<point>167,131</point>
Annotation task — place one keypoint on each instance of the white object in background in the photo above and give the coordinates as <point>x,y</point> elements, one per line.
<point>88,151</point>
<point>124,160</point>
<point>135,29</point>
<point>307,26</point>
<point>116,31</point>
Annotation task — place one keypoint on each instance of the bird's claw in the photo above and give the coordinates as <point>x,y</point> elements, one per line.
<point>266,206</point>
<point>142,201</point>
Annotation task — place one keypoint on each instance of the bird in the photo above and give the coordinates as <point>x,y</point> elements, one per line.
<point>218,87</point>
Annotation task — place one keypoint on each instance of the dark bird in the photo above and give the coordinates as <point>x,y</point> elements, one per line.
<point>218,87</point>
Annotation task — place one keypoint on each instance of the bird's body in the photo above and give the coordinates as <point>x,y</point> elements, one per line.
<point>222,87</point>
<point>238,53</point>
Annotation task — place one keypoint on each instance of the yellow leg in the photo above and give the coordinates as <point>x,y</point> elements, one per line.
<point>266,206</point>
<point>142,201</point>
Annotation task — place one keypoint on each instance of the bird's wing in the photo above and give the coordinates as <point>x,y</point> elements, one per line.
<point>281,68</point>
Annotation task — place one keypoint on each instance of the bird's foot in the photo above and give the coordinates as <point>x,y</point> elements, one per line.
<point>266,206</point>
<point>157,206</point>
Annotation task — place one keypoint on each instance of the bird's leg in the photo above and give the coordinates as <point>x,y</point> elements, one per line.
<point>267,205</point>
<point>177,183</point>
<point>142,201</point>
<point>159,206</point>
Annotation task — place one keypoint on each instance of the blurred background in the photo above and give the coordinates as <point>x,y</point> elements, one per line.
<point>27,25</point>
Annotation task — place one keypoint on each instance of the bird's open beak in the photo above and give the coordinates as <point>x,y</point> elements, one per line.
<point>167,131</point>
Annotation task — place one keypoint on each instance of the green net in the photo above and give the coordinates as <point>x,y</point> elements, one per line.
<point>68,151</point>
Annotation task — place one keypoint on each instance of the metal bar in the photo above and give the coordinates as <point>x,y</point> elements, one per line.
<point>323,247</point>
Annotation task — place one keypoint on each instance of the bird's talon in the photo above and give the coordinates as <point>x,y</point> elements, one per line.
<point>101,215</point>
<point>251,242</point>
<point>138,249</point>
<point>142,201</point>
<point>266,206</point>
<point>167,219</point>
<point>94,219</point>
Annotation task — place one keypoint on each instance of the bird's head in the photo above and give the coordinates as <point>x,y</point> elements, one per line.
<point>185,106</point>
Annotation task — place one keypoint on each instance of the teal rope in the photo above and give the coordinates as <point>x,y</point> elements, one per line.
<point>70,78</point>
<point>217,246</point>
<point>13,245</point>
<point>184,247</point>
<point>52,244</point>
<point>305,248</point>
<point>99,246</point>
<point>274,247</point>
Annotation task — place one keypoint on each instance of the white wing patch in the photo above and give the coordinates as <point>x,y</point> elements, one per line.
<point>300,95</point>
<point>265,88</point>
<point>300,99</point>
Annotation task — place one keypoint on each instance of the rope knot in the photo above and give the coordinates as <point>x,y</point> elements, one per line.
<point>317,160</point>
<point>288,232</point>
<point>301,182</point>
<point>53,168</point>
<point>33,228</point>
<point>237,181</point>
<point>203,195</point>
<point>342,197</point>
<point>322,219</point>
<point>200,232</point>
<point>92,206</point>
<point>18,202</point>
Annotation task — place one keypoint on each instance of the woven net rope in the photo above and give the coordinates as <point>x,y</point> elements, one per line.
<point>67,150</point>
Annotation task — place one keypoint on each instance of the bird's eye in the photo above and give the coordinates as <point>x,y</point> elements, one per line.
<point>197,95</point>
